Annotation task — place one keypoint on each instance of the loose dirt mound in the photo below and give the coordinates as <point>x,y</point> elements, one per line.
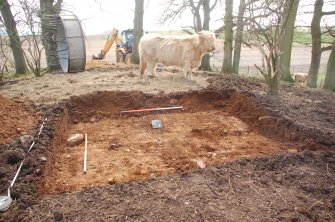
<point>236,83</point>
<point>52,88</point>
<point>17,118</point>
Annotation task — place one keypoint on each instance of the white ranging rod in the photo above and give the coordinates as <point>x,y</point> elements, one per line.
<point>85,154</point>
<point>152,109</point>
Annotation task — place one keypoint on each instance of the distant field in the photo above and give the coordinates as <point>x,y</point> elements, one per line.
<point>303,36</point>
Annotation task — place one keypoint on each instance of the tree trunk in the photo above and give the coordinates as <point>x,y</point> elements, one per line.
<point>286,38</point>
<point>273,84</point>
<point>207,12</point>
<point>239,37</point>
<point>205,62</point>
<point>138,30</point>
<point>15,43</point>
<point>198,21</point>
<point>228,38</point>
<point>314,66</point>
<point>330,73</point>
<point>196,15</point>
<point>48,8</point>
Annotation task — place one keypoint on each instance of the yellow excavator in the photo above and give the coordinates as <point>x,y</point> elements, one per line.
<point>124,46</point>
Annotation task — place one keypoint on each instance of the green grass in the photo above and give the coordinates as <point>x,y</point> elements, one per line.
<point>303,36</point>
<point>12,75</point>
<point>321,79</point>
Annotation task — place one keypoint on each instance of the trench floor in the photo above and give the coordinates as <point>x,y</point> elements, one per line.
<point>128,148</point>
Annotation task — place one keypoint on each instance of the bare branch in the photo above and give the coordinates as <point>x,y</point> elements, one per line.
<point>260,70</point>
<point>214,4</point>
<point>188,31</point>
<point>327,48</point>
<point>58,6</point>
<point>328,13</point>
<point>197,7</point>
<point>172,10</point>
<point>175,8</point>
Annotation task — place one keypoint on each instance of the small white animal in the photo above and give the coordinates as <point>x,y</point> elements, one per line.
<point>300,77</point>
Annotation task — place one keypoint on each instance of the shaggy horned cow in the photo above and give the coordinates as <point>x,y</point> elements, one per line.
<point>182,51</point>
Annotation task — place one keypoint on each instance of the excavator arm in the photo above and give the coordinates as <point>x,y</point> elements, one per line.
<point>108,45</point>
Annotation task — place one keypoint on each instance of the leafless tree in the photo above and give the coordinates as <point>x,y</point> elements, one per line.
<point>317,48</point>
<point>48,8</point>
<point>330,72</point>
<point>175,8</point>
<point>228,38</point>
<point>138,30</point>
<point>286,38</point>
<point>264,31</point>
<point>239,36</point>
<point>4,54</point>
<point>15,43</point>
<point>32,43</point>
<point>6,61</point>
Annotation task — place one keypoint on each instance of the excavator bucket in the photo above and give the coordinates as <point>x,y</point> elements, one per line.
<point>100,56</point>
<point>108,45</point>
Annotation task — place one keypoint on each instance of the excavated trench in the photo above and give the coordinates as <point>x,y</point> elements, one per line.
<point>213,128</point>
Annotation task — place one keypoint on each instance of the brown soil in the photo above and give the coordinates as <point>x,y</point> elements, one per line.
<point>276,162</point>
<point>309,111</point>
<point>209,135</point>
<point>282,187</point>
<point>17,118</point>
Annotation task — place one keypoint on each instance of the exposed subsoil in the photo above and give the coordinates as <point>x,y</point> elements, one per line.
<point>284,186</point>
<point>123,148</point>
<point>17,118</point>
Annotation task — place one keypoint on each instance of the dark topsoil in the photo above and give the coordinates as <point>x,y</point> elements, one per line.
<point>281,187</point>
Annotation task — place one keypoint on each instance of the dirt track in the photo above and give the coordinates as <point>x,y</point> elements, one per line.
<point>294,184</point>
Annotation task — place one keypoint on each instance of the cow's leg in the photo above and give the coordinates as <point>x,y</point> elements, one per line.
<point>143,64</point>
<point>185,75</point>
<point>151,68</point>
<point>187,72</point>
<point>190,74</point>
<point>155,73</point>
